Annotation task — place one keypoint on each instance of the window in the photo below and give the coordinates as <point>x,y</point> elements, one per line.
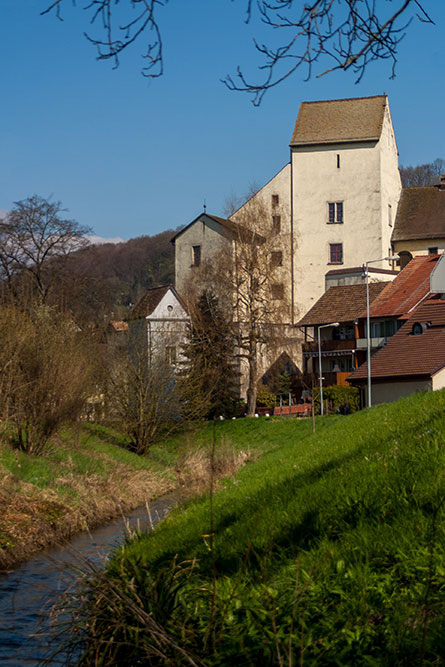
<point>335,212</point>
<point>432,251</point>
<point>390,215</point>
<point>277,291</point>
<point>384,329</point>
<point>170,354</point>
<point>275,201</point>
<point>336,253</point>
<point>338,161</point>
<point>405,258</point>
<point>276,258</point>
<point>343,333</point>
<point>276,224</point>
<point>341,365</point>
<point>196,259</point>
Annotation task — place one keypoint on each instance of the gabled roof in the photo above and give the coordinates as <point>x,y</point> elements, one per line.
<point>407,355</point>
<point>338,121</point>
<point>343,303</point>
<point>232,227</point>
<point>420,214</point>
<point>406,290</point>
<point>148,302</point>
<point>227,224</point>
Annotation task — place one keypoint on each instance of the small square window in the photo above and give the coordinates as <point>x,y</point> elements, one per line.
<point>196,259</point>
<point>277,258</point>
<point>336,253</point>
<point>277,291</point>
<point>276,224</point>
<point>432,251</point>
<point>335,212</point>
<point>275,200</point>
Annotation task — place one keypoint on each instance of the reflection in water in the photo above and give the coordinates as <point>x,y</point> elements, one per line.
<point>28,593</point>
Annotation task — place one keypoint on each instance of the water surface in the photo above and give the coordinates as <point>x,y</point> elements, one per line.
<point>28,592</point>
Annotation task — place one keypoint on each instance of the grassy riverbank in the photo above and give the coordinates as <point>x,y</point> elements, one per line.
<point>86,477</point>
<point>328,550</point>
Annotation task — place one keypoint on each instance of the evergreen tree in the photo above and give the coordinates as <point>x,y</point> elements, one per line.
<point>208,377</point>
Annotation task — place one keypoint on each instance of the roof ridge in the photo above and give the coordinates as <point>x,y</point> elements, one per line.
<point>345,99</point>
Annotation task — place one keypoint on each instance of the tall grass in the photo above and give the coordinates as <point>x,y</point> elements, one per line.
<point>328,551</point>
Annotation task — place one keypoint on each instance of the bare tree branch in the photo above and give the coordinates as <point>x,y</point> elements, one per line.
<point>116,37</point>
<point>351,33</point>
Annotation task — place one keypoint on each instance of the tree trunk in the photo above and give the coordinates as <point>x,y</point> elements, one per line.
<point>252,386</point>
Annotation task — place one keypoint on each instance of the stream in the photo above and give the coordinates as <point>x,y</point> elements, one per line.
<point>28,592</point>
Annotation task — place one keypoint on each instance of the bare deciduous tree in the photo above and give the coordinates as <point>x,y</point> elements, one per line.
<point>250,277</point>
<point>33,235</point>
<point>259,279</point>
<point>143,398</point>
<point>422,174</point>
<point>349,33</point>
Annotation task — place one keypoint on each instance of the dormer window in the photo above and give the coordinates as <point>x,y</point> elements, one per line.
<point>419,328</point>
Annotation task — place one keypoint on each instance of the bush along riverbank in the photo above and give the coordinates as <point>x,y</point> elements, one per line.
<point>87,477</point>
<point>328,550</point>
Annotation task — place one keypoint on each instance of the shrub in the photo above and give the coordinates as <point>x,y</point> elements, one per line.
<point>265,398</point>
<point>338,397</point>
<point>47,373</point>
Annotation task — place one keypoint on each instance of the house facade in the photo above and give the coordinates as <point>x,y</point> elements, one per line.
<point>158,326</point>
<point>413,359</point>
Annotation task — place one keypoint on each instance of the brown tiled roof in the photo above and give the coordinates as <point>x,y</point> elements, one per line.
<point>148,302</point>
<point>406,290</point>
<point>335,121</point>
<point>408,355</point>
<point>420,214</point>
<point>342,303</point>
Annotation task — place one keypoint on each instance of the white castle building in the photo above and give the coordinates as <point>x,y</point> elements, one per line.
<point>332,206</point>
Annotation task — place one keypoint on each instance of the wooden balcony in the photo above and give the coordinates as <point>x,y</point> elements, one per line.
<point>311,349</point>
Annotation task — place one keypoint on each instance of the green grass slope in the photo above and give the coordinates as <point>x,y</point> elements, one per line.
<point>326,551</point>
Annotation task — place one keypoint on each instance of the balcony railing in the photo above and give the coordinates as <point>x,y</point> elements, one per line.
<point>362,343</point>
<point>328,346</point>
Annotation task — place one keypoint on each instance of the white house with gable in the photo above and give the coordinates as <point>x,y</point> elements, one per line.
<point>158,324</point>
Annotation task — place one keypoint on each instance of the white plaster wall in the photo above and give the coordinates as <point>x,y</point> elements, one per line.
<point>391,185</point>
<point>280,185</point>
<point>439,380</point>
<point>391,391</point>
<point>420,246</point>
<point>168,308</point>
<point>358,184</point>
<point>210,235</point>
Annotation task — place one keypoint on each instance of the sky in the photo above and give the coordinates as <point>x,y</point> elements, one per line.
<point>128,156</point>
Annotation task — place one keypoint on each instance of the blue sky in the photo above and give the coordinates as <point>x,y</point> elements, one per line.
<point>129,157</point>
